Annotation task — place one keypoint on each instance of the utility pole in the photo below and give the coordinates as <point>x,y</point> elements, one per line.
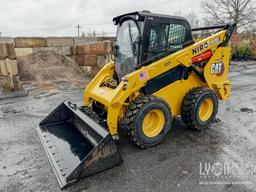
<point>78,29</point>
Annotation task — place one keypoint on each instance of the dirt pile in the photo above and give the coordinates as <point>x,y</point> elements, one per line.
<point>48,66</point>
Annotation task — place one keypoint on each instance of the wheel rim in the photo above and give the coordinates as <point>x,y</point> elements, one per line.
<point>205,109</point>
<point>153,123</point>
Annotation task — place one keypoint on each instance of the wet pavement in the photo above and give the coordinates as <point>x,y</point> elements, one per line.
<point>13,94</point>
<point>221,158</point>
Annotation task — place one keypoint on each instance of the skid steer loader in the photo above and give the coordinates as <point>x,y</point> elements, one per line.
<point>159,72</point>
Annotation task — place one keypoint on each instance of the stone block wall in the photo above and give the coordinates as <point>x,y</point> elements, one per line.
<point>92,57</point>
<point>90,53</point>
<point>9,76</point>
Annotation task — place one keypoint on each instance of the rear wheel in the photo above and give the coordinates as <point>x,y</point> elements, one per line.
<point>147,121</point>
<point>199,108</point>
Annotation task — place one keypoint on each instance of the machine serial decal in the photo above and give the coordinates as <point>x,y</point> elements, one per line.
<point>205,45</point>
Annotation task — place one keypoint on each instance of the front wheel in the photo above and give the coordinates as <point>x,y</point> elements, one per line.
<point>199,108</point>
<point>147,121</point>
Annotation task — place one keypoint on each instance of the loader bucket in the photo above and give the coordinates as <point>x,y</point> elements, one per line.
<point>76,145</point>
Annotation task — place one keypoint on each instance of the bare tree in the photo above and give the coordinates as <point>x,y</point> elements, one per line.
<point>192,19</point>
<point>242,12</point>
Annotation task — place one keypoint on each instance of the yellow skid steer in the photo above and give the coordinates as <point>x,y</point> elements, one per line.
<point>159,72</point>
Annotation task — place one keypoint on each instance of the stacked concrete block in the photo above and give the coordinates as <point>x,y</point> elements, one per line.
<point>60,50</point>
<point>66,51</point>
<point>59,41</point>
<point>81,50</point>
<point>6,40</point>
<point>92,57</point>
<point>8,66</point>
<point>30,42</point>
<point>84,40</point>
<point>86,60</point>
<point>99,48</point>
<point>106,38</point>
<point>9,75</point>
<point>23,51</point>
<point>7,51</point>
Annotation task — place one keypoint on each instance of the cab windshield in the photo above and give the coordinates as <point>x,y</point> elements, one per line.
<point>126,48</point>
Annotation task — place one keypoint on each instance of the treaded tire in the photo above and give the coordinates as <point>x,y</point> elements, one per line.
<point>190,107</point>
<point>134,115</point>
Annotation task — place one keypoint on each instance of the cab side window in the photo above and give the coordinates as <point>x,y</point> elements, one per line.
<point>176,37</point>
<point>161,39</point>
<point>156,41</point>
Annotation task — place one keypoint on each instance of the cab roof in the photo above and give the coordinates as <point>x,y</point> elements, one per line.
<point>143,14</point>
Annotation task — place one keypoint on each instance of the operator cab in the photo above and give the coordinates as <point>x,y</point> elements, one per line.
<point>143,38</point>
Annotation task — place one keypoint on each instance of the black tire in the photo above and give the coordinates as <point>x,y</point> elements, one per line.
<point>191,104</point>
<point>134,116</point>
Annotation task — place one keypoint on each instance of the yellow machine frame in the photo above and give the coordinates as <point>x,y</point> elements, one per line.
<point>116,100</point>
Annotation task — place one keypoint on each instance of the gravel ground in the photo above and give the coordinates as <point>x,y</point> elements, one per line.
<point>184,161</point>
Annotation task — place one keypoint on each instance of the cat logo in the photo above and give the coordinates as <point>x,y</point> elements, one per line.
<point>217,68</point>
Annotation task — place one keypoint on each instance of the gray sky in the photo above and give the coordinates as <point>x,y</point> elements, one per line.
<point>59,17</point>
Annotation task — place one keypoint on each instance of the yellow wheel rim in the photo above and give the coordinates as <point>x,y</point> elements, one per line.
<point>153,123</point>
<point>206,109</point>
